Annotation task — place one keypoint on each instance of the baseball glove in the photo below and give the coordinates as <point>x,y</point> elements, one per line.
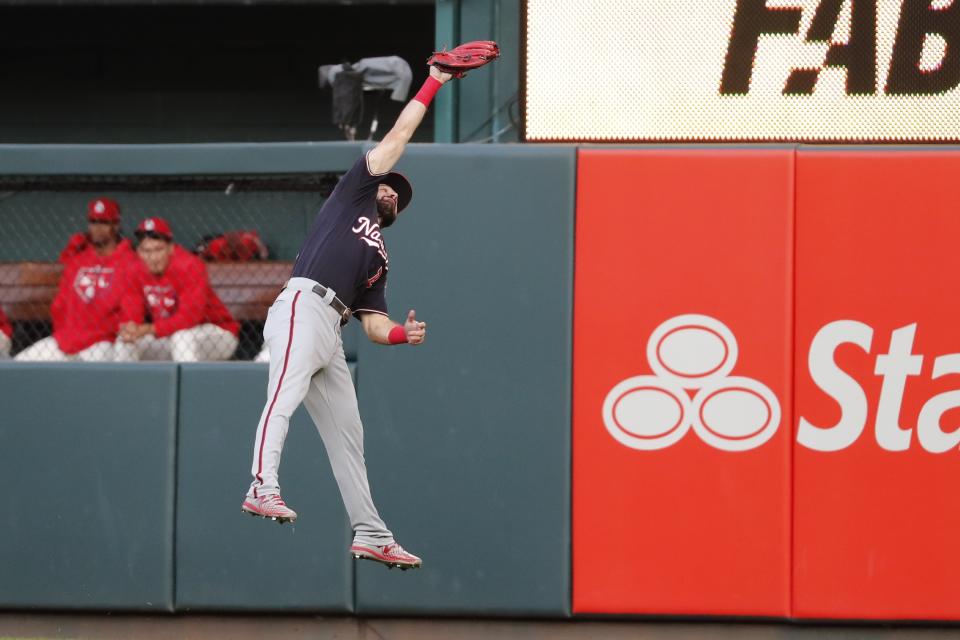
<point>468,56</point>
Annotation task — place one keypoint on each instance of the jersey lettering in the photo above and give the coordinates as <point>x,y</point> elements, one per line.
<point>369,232</point>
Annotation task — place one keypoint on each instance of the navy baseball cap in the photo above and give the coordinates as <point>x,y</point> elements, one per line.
<point>399,183</point>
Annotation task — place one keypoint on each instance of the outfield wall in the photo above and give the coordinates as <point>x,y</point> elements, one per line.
<point>659,381</point>
<point>450,436</point>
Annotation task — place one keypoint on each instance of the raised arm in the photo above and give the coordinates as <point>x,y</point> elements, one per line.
<point>385,155</point>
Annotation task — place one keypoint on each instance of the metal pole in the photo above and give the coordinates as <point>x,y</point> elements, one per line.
<point>447,104</point>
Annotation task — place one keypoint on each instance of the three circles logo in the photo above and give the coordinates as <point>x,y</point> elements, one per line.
<point>691,356</point>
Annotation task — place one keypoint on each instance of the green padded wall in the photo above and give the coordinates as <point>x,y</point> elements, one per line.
<point>88,518</point>
<point>227,560</point>
<point>175,159</point>
<point>468,436</point>
<point>352,335</point>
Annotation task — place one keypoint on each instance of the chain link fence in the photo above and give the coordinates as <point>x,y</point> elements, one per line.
<point>126,268</point>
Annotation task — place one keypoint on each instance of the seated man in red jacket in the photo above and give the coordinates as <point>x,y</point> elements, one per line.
<point>86,310</point>
<point>6,332</point>
<point>169,311</point>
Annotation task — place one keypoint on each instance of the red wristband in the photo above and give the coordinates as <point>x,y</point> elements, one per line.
<point>397,335</point>
<point>427,91</point>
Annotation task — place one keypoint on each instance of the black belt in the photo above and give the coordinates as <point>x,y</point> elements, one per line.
<point>336,303</point>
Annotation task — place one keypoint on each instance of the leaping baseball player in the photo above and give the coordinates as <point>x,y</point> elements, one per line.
<point>341,271</point>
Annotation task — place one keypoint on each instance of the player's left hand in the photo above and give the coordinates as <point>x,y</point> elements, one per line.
<point>416,331</point>
<point>442,76</point>
<point>468,56</point>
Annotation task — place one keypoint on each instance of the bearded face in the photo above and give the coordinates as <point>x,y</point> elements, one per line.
<point>386,206</point>
<point>387,211</point>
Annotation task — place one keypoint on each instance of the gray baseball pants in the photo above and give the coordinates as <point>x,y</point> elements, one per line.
<point>307,365</point>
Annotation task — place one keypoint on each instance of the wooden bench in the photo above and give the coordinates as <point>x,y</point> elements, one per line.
<point>247,288</point>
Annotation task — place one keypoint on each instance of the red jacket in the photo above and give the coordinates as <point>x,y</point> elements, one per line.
<point>86,309</point>
<point>180,298</point>
<point>5,327</point>
<point>75,246</point>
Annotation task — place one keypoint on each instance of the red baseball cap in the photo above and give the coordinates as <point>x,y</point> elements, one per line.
<point>158,226</point>
<point>103,210</point>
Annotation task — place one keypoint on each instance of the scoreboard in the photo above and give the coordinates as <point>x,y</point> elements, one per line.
<point>742,70</point>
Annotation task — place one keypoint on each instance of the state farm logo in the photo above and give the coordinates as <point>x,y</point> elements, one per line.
<point>692,357</point>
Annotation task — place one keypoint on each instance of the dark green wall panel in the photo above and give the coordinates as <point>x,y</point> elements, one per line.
<point>88,451</point>
<point>227,560</point>
<point>468,436</point>
<point>176,159</point>
<point>352,335</point>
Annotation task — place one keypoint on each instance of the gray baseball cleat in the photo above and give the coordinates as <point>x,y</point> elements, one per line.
<point>392,555</point>
<point>271,507</point>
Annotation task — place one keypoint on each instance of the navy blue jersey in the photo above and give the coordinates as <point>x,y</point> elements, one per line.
<point>344,248</point>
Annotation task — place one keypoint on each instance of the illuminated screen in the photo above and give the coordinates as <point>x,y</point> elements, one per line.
<point>792,70</point>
